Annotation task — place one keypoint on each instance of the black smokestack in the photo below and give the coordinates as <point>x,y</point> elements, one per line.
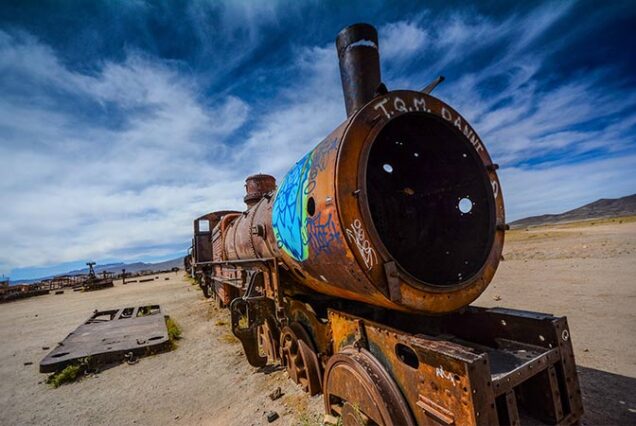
<point>359,64</point>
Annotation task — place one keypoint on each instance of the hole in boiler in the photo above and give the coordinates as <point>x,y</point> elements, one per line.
<point>388,168</point>
<point>311,206</point>
<point>465,205</point>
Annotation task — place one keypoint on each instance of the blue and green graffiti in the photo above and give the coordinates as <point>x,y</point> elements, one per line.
<point>289,216</point>
<point>293,233</point>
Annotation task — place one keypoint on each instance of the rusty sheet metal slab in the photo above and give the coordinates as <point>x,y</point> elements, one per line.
<point>108,335</point>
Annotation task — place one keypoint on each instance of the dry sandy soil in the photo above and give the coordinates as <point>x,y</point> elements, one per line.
<point>584,271</point>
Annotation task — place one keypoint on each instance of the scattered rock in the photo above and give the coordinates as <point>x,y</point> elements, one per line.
<point>45,348</point>
<point>586,350</point>
<point>271,416</point>
<point>496,298</point>
<point>276,394</point>
<point>176,417</point>
<point>28,363</point>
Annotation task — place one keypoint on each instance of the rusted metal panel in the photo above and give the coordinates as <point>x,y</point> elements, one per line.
<point>110,334</point>
<point>448,380</point>
<point>433,373</point>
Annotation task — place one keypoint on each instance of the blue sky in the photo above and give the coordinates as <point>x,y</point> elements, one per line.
<point>121,121</point>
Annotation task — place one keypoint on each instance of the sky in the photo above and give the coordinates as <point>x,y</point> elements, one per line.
<point>122,121</point>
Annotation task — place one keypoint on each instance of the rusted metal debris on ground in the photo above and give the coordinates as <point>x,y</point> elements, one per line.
<point>357,272</point>
<point>93,282</point>
<point>10,293</point>
<point>108,336</point>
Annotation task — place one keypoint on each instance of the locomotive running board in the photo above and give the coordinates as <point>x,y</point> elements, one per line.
<point>482,366</point>
<point>109,335</point>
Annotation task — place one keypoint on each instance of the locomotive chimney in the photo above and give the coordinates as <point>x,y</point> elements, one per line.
<point>359,64</point>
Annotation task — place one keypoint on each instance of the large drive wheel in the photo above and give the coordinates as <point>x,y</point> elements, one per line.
<point>299,358</point>
<point>359,390</point>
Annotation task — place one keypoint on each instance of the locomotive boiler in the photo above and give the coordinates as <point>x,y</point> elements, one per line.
<point>357,271</point>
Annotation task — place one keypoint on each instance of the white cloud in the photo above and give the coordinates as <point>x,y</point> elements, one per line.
<point>555,189</point>
<point>399,40</point>
<point>72,188</point>
<point>305,113</point>
<point>526,121</point>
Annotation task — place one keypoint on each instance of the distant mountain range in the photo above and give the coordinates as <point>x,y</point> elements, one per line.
<point>603,208</point>
<point>116,269</point>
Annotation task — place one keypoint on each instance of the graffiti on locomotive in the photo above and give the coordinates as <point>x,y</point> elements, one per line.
<point>296,232</point>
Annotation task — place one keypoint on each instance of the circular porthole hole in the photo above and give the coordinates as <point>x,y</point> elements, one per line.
<point>407,355</point>
<point>387,168</point>
<point>465,205</point>
<point>311,206</point>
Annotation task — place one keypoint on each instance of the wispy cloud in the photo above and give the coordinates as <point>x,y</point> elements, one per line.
<point>561,141</point>
<point>114,160</point>
<point>73,187</point>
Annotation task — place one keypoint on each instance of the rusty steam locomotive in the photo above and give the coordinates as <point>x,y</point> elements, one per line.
<point>356,272</point>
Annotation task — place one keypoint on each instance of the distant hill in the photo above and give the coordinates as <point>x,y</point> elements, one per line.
<point>133,267</point>
<point>603,208</point>
<point>116,269</point>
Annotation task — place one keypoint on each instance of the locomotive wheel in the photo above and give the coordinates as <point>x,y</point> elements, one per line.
<point>359,390</point>
<point>299,358</point>
<point>267,343</point>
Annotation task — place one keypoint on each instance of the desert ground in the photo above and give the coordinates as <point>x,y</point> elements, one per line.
<point>585,271</point>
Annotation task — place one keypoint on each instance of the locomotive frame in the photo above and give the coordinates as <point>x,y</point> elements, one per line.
<point>401,351</point>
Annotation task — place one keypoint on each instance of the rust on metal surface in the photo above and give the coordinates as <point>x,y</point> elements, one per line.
<point>359,60</point>
<point>356,272</point>
<point>298,356</point>
<point>109,335</point>
<point>92,282</point>
<point>256,187</point>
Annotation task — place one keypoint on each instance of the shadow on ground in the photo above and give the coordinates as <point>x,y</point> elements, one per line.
<point>608,399</point>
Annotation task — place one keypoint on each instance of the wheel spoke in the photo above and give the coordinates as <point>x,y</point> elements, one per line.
<point>299,359</point>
